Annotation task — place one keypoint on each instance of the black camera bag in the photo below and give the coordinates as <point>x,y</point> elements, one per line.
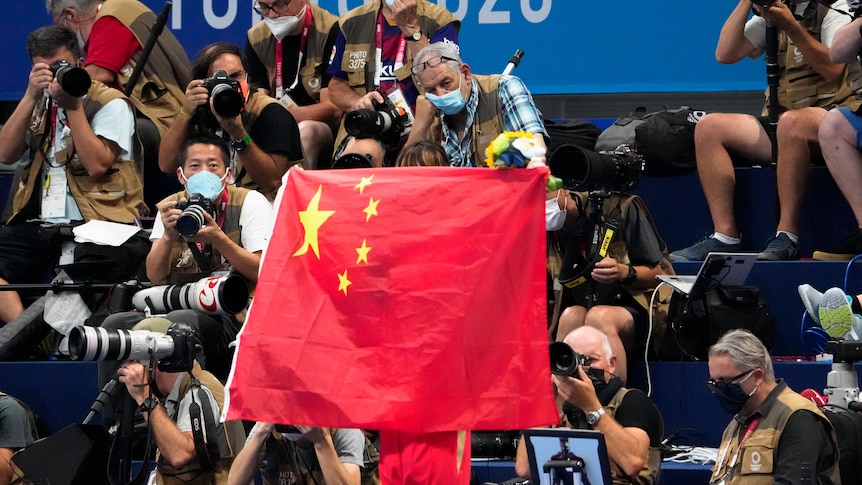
<point>695,323</point>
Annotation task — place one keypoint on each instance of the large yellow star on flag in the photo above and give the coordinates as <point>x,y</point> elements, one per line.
<point>362,253</point>
<point>312,218</point>
<point>363,182</point>
<point>343,282</point>
<point>371,210</point>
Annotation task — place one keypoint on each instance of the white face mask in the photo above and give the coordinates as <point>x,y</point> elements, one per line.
<point>554,216</point>
<point>281,27</point>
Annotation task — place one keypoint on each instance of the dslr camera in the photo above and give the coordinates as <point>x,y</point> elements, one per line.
<point>616,171</point>
<point>385,122</point>
<point>226,95</point>
<point>73,79</point>
<point>565,361</point>
<point>174,351</point>
<point>192,218</point>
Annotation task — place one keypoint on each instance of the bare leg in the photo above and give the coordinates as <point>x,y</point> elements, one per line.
<point>617,323</point>
<point>715,136</point>
<point>797,130</point>
<point>10,304</point>
<point>316,138</point>
<point>570,319</point>
<point>838,143</point>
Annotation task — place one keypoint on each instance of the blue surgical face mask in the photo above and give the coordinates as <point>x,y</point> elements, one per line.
<point>390,3</point>
<point>206,183</point>
<point>731,396</point>
<point>450,103</point>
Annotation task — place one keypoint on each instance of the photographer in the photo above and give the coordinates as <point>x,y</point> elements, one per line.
<point>313,455</point>
<point>288,55</point>
<point>473,109</point>
<point>809,83</point>
<point>263,136</point>
<point>17,431</point>
<point>235,228</point>
<point>594,398</point>
<point>611,250</point>
<point>167,399</point>
<point>771,423</point>
<point>394,31</point>
<point>80,166</point>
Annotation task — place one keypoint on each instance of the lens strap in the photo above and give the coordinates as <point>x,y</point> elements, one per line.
<point>202,258</point>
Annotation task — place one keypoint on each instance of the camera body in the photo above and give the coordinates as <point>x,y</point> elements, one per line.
<point>565,361</point>
<point>174,351</point>
<point>192,218</point>
<point>226,93</point>
<point>73,79</point>
<point>607,171</point>
<point>385,122</point>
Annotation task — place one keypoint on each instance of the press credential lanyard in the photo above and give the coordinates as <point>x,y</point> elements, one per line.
<point>399,57</point>
<point>303,40</point>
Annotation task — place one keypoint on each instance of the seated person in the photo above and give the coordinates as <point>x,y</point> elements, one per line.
<point>473,109</point>
<point>835,311</point>
<point>288,58</point>
<point>80,166</point>
<point>406,26</point>
<point>423,153</point>
<point>809,83</point>
<point>264,137</point>
<point>165,398</point>
<point>230,242</point>
<point>595,398</point>
<point>17,431</point>
<point>770,421</point>
<point>315,455</point>
<point>609,290</point>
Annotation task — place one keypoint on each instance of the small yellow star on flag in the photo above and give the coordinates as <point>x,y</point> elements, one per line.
<point>343,282</point>
<point>363,182</point>
<point>371,210</point>
<point>312,218</point>
<point>363,253</point>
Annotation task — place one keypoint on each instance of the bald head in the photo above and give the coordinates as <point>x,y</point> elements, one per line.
<point>594,344</point>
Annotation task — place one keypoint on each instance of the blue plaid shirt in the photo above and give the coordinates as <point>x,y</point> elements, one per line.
<point>519,114</point>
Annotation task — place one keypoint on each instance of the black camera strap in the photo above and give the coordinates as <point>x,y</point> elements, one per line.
<point>208,454</point>
<point>203,257</point>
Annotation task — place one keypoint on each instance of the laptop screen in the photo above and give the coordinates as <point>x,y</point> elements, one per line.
<point>563,456</point>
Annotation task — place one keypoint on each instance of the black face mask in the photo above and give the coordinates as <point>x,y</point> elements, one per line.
<point>597,377</point>
<point>732,398</point>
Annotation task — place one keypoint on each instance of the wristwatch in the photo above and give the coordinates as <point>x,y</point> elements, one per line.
<point>414,36</point>
<point>631,277</point>
<point>593,417</point>
<point>149,404</point>
<point>240,143</point>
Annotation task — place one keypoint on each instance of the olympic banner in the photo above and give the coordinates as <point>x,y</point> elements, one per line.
<point>571,46</point>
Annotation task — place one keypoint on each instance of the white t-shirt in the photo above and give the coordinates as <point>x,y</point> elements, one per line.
<point>114,121</point>
<point>755,28</point>
<point>255,218</point>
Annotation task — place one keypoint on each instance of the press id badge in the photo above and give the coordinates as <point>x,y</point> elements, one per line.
<point>54,194</point>
<point>287,101</point>
<point>398,99</point>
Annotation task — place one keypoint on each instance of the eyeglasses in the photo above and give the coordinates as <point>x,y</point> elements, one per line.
<point>721,385</point>
<point>433,62</point>
<point>279,7</point>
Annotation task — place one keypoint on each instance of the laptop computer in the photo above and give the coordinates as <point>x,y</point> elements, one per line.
<point>728,269</point>
<point>567,456</point>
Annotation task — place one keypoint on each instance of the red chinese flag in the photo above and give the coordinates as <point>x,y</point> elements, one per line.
<point>408,299</point>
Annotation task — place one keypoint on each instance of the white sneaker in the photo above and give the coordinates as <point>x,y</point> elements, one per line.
<point>836,314</point>
<point>811,299</point>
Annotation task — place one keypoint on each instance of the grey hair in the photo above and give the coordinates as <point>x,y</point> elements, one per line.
<point>745,350</point>
<point>55,7</point>
<point>443,49</point>
<point>606,343</point>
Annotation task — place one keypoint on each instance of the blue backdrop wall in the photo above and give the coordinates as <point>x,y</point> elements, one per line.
<point>571,46</point>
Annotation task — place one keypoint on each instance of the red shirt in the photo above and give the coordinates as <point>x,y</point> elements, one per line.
<point>111,44</point>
